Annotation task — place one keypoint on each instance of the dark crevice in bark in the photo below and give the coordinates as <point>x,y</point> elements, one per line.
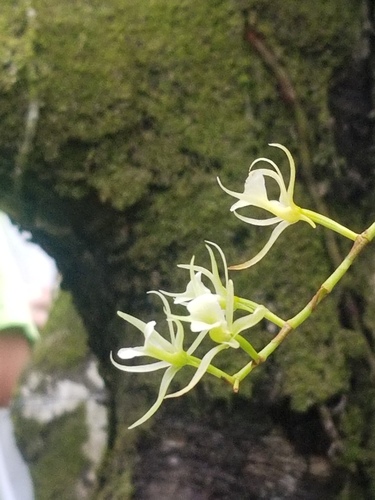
<point>351,101</point>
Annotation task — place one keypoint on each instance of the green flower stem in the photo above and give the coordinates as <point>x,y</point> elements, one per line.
<point>361,241</point>
<point>180,359</point>
<point>274,318</point>
<point>245,304</point>
<point>359,244</point>
<point>248,305</point>
<point>248,348</point>
<point>369,234</point>
<point>213,370</point>
<point>330,224</point>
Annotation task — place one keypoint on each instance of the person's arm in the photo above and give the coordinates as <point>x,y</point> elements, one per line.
<point>17,329</point>
<point>15,353</point>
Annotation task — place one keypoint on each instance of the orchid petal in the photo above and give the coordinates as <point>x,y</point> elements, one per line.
<point>230,304</point>
<point>259,222</point>
<point>222,257</point>
<point>197,341</point>
<point>150,367</point>
<point>292,178</point>
<point>167,311</point>
<point>206,361</point>
<point>270,162</point>
<point>255,185</point>
<point>248,321</point>
<point>275,234</point>
<point>194,288</point>
<point>205,313</point>
<point>156,340</point>
<point>179,336</point>
<point>166,380</point>
<point>198,326</point>
<point>131,352</point>
<point>141,325</point>
<point>198,269</point>
<point>244,199</point>
<point>277,178</point>
<point>219,288</point>
<point>257,195</point>
<point>149,330</point>
<point>228,191</point>
<point>140,368</point>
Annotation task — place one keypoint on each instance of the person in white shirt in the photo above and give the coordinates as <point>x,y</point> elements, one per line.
<point>24,307</point>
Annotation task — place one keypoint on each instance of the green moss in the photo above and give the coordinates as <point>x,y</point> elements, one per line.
<point>141,106</point>
<point>61,460</point>
<point>64,339</point>
<point>117,478</point>
<point>357,427</point>
<point>128,106</point>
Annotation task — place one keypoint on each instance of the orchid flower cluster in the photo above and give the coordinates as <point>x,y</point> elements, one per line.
<point>209,311</point>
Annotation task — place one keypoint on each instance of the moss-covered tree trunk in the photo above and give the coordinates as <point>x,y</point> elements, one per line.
<point>116,118</point>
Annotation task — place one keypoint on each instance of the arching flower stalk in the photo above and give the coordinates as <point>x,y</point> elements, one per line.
<point>284,210</point>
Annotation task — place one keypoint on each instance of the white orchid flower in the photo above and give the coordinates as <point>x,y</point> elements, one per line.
<point>212,312</point>
<point>206,313</point>
<point>194,289</point>
<point>169,353</point>
<point>285,212</point>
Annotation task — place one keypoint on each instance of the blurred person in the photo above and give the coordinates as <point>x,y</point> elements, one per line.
<point>27,280</point>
